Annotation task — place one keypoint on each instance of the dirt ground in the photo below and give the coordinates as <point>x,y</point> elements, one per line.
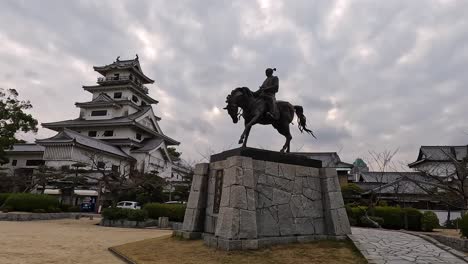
<point>65,241</point>
<point>164,250</point>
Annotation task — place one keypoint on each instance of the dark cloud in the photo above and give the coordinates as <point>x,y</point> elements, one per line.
<point>370,74</point>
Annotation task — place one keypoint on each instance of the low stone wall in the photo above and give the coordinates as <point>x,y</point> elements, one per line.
<point>36,216</point>
<point>128,223</point>
<point>453,242</point>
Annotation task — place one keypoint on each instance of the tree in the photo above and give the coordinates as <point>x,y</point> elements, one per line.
<point>13,119</point>
<point>175,155</point>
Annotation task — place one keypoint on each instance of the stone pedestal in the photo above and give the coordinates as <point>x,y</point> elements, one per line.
<point>248,198</point>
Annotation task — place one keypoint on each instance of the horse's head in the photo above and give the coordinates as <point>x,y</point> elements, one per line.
<point>235,100</point>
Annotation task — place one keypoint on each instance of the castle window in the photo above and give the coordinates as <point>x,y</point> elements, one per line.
<point>101,165</point>
<point>92,133</point>
<point>135,99</point>
<point>115,168</point>
<point>34,162</point>
<point>138,136</point>
<point>108,133</point>
<point>14,162</point>
<point>118,95</point>
<point>99,113</point>
<point>116,76</point>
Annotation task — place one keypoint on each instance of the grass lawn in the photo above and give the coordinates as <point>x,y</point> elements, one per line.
<point>176,251</point>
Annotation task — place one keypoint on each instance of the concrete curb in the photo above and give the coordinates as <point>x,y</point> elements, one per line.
<point>121,256</point>
<point>453,251</point>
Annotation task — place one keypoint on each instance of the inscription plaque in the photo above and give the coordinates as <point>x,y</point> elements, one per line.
<point>218,190</point>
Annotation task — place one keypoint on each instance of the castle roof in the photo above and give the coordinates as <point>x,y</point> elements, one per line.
<point>25,148</point>
<point>131,65</point>
<point>129,120</point>
<point>67,136</point>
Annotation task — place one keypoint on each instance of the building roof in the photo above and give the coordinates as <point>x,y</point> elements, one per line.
<point>117,121</point>
<point>386,177</point>
<point>25,147</point>
<point>404,185</point>
<point>132,65</point>
<point>97,88</point>
<point>103,100</point>
<point>71,137</point>
<point>439,154</point>
<point>329,159</point>
<point>149,144</point>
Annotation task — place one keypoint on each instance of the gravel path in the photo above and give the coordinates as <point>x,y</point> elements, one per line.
<point>65,241</point>
<point>391,247</point>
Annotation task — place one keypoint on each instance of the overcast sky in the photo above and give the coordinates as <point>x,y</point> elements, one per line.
<point>371,75</point>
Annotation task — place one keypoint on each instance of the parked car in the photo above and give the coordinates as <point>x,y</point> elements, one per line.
<point>128,205</point>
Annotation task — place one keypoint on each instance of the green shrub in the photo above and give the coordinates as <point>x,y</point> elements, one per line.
<point>39,211</point>
<point>383,203</point>
<point>73,209</point>
<point>137,215</point>
<point>27,202</point>
<point>175,212</point>
<point>121,213</point>
<point>114,213</point>
<point>3,197</point>
<point>413,216</point>
<point>392,216</point>
<point>53,209</point>
<point>452,224</point>
<point>429,221</point>
<point>365,222</point>
<point>352,221</point>
<point>463,225</point>
<point>358,212</point>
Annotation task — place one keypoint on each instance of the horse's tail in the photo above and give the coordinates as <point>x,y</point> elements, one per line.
<point>302,120</point>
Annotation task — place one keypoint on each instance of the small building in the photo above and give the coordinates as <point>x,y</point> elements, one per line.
<point>331,160</point>
<point>438,160</point>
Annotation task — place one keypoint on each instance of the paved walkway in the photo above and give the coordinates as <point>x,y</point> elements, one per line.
<point>66,241</point>
<point>391,247</point>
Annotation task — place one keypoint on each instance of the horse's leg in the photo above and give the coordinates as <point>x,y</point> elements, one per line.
<point>283,129</point>
<point>248,126</point>
<point>247,132</point>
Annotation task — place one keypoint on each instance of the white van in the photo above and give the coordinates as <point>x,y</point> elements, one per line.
<point>128,205</point>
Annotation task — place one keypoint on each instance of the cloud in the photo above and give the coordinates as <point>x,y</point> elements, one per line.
<point>370,75</point>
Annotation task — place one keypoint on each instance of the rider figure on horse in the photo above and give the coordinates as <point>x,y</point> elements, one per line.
<point>267,92</point>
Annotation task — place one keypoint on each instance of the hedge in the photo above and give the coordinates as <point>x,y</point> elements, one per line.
<point>3,197</point>
<point>175,212</point>
<point>28,202</point>
<point>393,217</point>
<point>122,213</point>
<point>429,221</point>
<point>463,225</point>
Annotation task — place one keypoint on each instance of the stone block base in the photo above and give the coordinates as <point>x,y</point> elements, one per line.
<point>187,234</point>
<point>247,244</point>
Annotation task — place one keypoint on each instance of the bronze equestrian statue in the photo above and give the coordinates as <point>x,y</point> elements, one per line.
<point>261,107</point>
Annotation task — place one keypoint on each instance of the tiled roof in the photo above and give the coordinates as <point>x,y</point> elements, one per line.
<point>149,144</point>
<point>329,159</point>
<point>439,153</point>
<point>70,136</point>
<point>133,65</point>
<point>386,177</point>
<point>28,147</point>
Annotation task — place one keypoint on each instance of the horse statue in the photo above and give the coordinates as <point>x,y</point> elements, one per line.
<point>253,111</point>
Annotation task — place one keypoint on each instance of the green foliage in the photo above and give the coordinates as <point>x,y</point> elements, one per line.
<point>383,203</point>
<point>3,197</point>
<point>429,221</point>
<point>53,209</point>
<point>122,213</point>
<point>39,211</point>
<point>137,215</point>
<point>173,153</point>
<point>28,202</point>
<point>392,216</point>
<point>13,119</point>
<point>452,224</point>
<point>463,225</point>
<point>413,218</point>
<point>365,222</point>
<point>350,191</point>
<point>74,209</point>
<point>175,212</point>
